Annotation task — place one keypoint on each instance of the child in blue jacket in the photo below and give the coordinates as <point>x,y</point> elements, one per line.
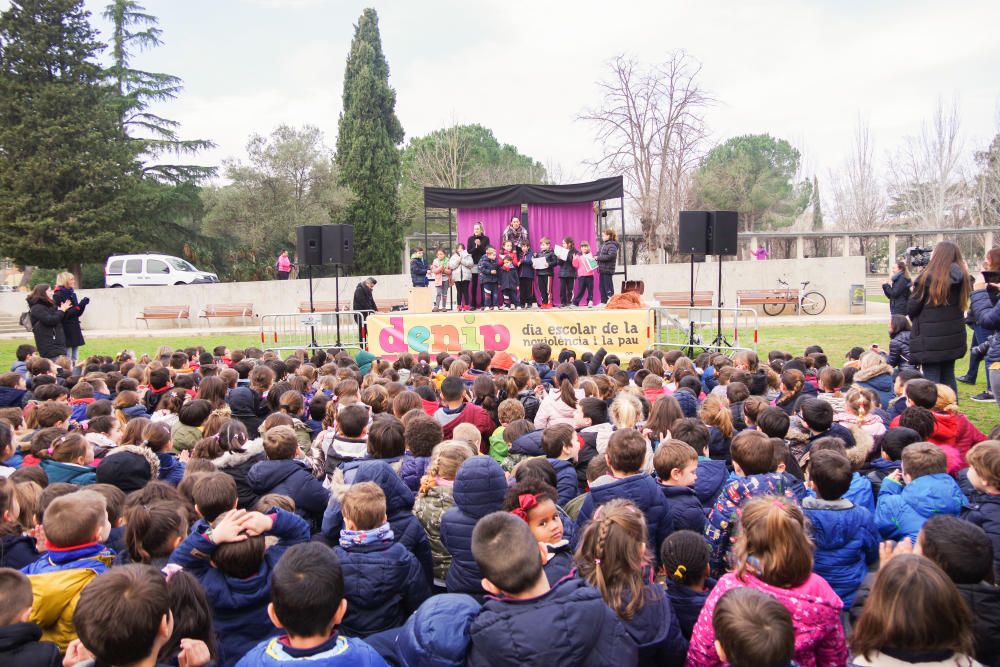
<point>676,465</point>
<point>234,567</point>
<point>284,473</point>
<point>418,268</point>
<point>383,582</point>
<point>844,533</point>
<point>489,278</point>
<point>308,604</point>
<point>526,272</point>
<point>561,445</point>
<point>684,563</point>
<point>902,510</point>
<point>984,505</point>
<point>710,475</point>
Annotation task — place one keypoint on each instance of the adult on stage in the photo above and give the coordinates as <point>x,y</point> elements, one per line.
<point>607,257</point>
<point>516,234</point>
<point>476,246</point>
<point>364,299</point>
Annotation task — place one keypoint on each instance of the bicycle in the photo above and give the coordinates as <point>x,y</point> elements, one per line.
<point>810,303</point>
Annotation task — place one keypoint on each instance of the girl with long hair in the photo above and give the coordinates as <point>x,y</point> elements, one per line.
<point>47,322</point>
<point>559,405</point>
<point>435,498</point>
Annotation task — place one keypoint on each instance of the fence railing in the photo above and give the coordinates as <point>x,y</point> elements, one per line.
<point>292,331</point>
<point>698,329</point>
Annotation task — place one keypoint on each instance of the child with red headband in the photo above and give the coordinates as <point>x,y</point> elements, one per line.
<point>535,502</point>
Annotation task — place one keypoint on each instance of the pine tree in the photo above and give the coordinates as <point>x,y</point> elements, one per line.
<point>64,174</point>
<point>367,153</point>
<point>817,206</point>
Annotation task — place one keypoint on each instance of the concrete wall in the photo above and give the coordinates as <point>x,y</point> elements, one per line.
<point>117,308</point>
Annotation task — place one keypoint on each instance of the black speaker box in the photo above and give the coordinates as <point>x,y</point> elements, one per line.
<point>308,244</point>
<point>693,236</point>
<point>722,233</point>
<point>338,244</point>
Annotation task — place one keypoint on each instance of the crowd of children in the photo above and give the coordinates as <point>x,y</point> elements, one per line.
<point>220,507</point>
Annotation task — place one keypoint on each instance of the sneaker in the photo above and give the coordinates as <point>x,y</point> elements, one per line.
<point>966,379</point>
<point>985,397</point>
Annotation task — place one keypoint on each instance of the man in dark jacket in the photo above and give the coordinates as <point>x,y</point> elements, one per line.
<point>364,298</point>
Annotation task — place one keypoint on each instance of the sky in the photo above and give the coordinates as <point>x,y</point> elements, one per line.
<point>802,70</point>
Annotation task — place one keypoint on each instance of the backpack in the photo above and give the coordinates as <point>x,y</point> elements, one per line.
<point>25,321</point>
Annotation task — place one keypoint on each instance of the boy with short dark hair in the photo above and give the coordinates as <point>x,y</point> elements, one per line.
<point>455,410</point>
<point>541,353</point>
<point>421,433</point>
<point>902,510</point>
<point>753,629</point>
<point>893,443</point>
<point>984,505</point>
<point>22,354</point>
<point>308,603</point>
<point>844,533</point>
<point>561,445</point>
<point>625,456</point>
<point>13,391</point>
<point>526,607</point>
<point>159,384</point>
<point>350,442</point>
<point>676,465</point>
<point>383,581</point>
<point>817,417</point>
<point>711,474</point>
<point>214,494</point>
<point>19,638</point>
<point>285,473</point>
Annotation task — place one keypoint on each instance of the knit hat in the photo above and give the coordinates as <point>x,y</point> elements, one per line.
<point>128,467</point>
<point>502,361</point>
<point>364,361</point>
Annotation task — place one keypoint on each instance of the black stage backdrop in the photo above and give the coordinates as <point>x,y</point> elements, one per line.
<point>604,188</point>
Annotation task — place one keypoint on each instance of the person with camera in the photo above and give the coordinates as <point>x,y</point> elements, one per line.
<point>936,308</point>
<point>980,333</point>
<point>897,288</point>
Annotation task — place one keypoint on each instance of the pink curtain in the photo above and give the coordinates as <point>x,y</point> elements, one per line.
<point>557,221</point>
<point>494,221</point>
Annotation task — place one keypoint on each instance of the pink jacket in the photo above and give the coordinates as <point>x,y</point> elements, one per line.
<point>582,270</point>
<point>815,609</point>
<point>552,410</point>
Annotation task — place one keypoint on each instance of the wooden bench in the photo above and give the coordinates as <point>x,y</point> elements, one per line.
<point>164,313</point>
<point>388,305</point>
<point>383,305</point>
<point>227,310</point>
<point>681,299</point>
<point>775,298</point>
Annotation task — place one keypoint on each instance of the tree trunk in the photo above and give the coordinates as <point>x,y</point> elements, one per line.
<point>76,268</point>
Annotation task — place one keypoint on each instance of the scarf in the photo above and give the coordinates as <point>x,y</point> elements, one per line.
<point>354,538</point>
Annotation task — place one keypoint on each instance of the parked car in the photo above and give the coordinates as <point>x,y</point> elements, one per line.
<point>152,269</point>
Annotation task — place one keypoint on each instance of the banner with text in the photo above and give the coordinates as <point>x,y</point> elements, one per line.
<point>623,332</point>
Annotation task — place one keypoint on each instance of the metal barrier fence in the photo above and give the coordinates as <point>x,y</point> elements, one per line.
<point>694,330</point>
<point>293,331</point>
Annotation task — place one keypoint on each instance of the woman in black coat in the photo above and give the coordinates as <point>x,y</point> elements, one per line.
<point>46,322</point>
<point>897,290</point>
<point>937,308</point>
<point>65,282</point>
<point>476,246</point>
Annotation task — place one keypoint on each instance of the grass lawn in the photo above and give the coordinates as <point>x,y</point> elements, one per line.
<point>836,340</point>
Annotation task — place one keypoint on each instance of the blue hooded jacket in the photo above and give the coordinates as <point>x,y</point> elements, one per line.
<point>437,635</point>
<point>239,606</point>
<point>383,584</point>
<point>881,385</point>
<point>687,603</point>
<point>567,482</point>
<point>343,652</point>
<point>846,543</point>
<point>902,511</point>
<point>479,489</point>
<point>711,476</point>
<point>12,397</point>
<point>294,479</point>
<point>984,511</point>
<point>171,468</point>
<point>70,473</point>
<point>642,490</point>
<point>519,633</point>
<point>656,631</point>
<point>406,528</point>
<point>412,469</point>
<point>685,509</point>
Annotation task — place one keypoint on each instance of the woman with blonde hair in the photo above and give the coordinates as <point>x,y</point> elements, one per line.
<point>64,291</point>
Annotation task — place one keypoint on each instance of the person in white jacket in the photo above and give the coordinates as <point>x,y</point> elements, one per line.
<point>460,264</point>
<point>559,405</point>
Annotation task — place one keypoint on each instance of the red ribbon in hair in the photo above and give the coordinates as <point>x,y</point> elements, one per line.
<point>525,502</point>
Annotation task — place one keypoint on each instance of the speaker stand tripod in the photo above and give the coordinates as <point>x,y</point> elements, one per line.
<point>720,341</point>
<point>312,309</point>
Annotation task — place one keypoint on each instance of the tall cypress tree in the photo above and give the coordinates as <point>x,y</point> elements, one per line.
<point>64,173</point>
<point>367,152</point>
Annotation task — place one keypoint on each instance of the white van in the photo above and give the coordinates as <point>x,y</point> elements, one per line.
<point>152,269</point>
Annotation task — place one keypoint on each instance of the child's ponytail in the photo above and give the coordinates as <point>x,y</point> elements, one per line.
<point>566,377</point>
<point>611,556</point>
<point>66,449</point>
<point>156,436</point>
<point>152,531</point>
<point>446,458</point>
<point>714,412</point>
<point>858,402</point>
<point>775,547</point>
<point>684,558</point>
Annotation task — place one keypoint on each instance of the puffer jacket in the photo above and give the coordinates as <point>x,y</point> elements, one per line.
<point>479,490</point>
<point>530,403</point>
<point>607,256</point>
<point>954,429</point>
<point>846,543</point>
<point>527,446</point>
<point>684,507</point>
<point>461,267</point>
<point>899,352</point>
<point>984,511</point>
<point>984,601</point>
<point>342,652</point>
<point>71,319</point>
<point>898,293</point>
<point>815,610</point>
<point>398,505</point>
<point>249,407</point>
<point>506,632</point>
<point>421,641</point>
<point>486,268</point>
<point>294,479</point>
<point>46,325</point>
<point>938,333</point>
<point>239,606</point>
<point>429,508</point>
<point>902,511</point>
<point>12,397</point>
<point>656,630</point>
<point>987,314</point>
<point>383,584</point>
<point>237,465</point>
<point>412,470</point>
<point>20,646</point>
<point>566,480</point>
<point>418,271</point>
<point>712,476</point>
<point>686,604</point>
<point>645,493</point>
<point>566,267</point>
<point>70,473</point>
<point>879,380</point>
<point>17,550</point>
<point>552,410</point>
<point>184,436</point>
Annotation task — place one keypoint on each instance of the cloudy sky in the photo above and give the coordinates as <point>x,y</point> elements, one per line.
<point>802,70</point>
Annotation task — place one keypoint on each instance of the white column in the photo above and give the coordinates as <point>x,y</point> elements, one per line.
<point>892,252</point>
<point>939,238</point>
<point>847,246</point>
<point>988,240</point>
<point>800,247</point>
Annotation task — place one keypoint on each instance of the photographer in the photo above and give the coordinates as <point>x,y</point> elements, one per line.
<point>936,308</point>
<point>897,288</point>
<point>986,315</point>
<point>980,333</point>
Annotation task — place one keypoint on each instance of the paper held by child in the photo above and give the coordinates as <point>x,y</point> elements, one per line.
<point>539,263</point>
<point>589,262</point>
<point>561,252</point>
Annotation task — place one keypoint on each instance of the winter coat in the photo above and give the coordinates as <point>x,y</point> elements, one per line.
<point>486,268</point>
<point>479,490</point>
<point>292,478</point>
<point>71,318</point>
<point>902,511</point>
<point>552,410</point>
<point>846,543</point>
<point>955,430</point>
<point>517,633</point>
<point>383,584</point>
<point>412,470</point>
<point>718,445</point>
<point>645,493</point>
<point>899,353</point>
<point>509,278</point>
<point>17,550</point>
<point>656,631</point>
<point>566,480</point>
<point>239,606</point>
<point>560,565</point>
<point>429,508</point>
<point>69,472</point>
<point>725,512</point>
<point>237,466</point>
<point>684,507</point>
<point>550,259</point>
<point>171,468</point>
<point>815,610</point>
<point>418,271</point>
<point>984,601</point>
<point>437,635</point>
<point>987,315</point>
<point>525,270</point>
<point>530,403</point>
<point>566,266</point>
<point>461,267</point>
<point>898,293</point>
<point>879,659</point>
<point>938,333</point>
<point>440,272</point>
<point>46,325</point>
<point>249,407</point>
<point>477,253</point>
<point>471,414</point>
<point>607,256</point>
<point>398,505</point>
<point>20,646</point>
<point>344,652</point>
<point>984,511</point>
<point>687,603</point>
<point>364,299</point>
<point>583,270</point>
<point>12,397</point>
<point>860,492</point>
<point>712,476</point>
<point>184,436</point>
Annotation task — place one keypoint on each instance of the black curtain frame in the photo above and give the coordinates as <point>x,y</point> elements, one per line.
<point>505,195</point>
